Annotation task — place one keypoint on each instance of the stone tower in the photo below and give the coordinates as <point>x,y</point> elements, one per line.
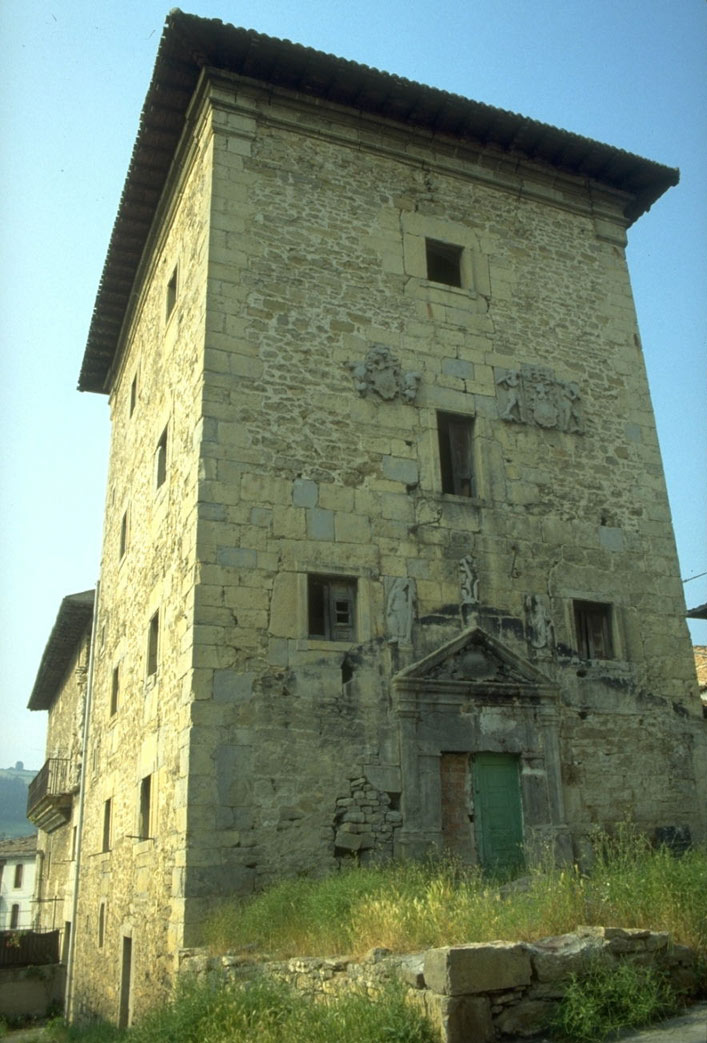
<point>388,561</point>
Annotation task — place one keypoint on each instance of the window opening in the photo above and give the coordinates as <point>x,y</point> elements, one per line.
<point>123,534</point>
<point>133,395</point>
<point>145,803</point>
<point>101,924</point>
<point>114,691</point>
<point>443,262</point>
<point>106,825</point>
<point>592,622</point>
<point>153,636</point>
<point>19,868</point>
<point>161,460</point>
<point>171,299</point>
<point>331,607</point>
<point>455,453</point>
<point>14,917</point>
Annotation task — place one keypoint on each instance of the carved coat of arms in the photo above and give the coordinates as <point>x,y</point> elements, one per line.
<point>532,395</point>
<point>380,372</point>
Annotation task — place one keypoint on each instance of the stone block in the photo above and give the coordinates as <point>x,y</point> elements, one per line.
<point>304,492</point>
<point>477,967</point>
<point>554,959</point>
<point>527,1018</point>
<point>320,524</point>
<point>398,469</point>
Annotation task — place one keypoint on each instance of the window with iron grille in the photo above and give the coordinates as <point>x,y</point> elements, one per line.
<point>455,453</point>
<point>592,623</point>
<point>331,608</point>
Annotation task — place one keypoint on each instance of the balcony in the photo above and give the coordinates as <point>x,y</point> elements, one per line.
<point>51,793</point>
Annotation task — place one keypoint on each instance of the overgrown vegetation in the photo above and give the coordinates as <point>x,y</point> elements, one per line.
<point>611,997</point>
<point>409,906</point>
<point>216,1012</point>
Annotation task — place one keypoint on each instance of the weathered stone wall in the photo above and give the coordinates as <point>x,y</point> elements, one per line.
<point>483,991</point>
<point>31,992</point>
<point>317,249</point>
<point>298,377</point>
<point>148,566</point>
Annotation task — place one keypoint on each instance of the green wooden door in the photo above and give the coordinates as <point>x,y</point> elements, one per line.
<point>497,812</point>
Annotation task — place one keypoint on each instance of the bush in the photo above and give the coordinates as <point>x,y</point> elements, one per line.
<point>609,997</point>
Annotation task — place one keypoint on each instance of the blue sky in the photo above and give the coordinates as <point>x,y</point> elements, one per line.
<point>75,74</point>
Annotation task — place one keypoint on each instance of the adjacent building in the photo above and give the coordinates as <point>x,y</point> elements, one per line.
<point>388,562</point>
<point>17,867</point>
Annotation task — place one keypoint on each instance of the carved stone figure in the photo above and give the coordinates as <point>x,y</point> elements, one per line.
<point>399,608</point>
<point>380,372</point>
<point>541,629</point>
<point>532,395</point>
<point>468,582</point>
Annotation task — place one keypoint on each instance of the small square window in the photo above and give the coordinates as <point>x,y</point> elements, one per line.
<point>171,298</point>
<point>153,640</point>
<point>123,535</point>
<point>444,262</point>
<point>455,453</point>
<point>114,691</point>
<point>592,621</point>
<point>331,608</point>
<point>161,460</point>
<point>144,823</point>
<point>107,814</point>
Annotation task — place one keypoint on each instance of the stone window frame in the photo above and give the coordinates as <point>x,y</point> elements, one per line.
<point>417,231</point>
<point>339,597</point>
<point>363,626</point>
<point>586,614</point>
<point>451,476</point>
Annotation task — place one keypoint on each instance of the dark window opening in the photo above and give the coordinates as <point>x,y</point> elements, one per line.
<point>114,690</point>
<point>444,262</point>
<point>145,804</point>
<point>19,868</point>
<point>123,534</point>
<point>106,825</point>
<point>171,293</point>
<point>153,636</point>
<point>331,605</point>
<point>455,454</point>
<point>161,460</point>
<point>14,917</point>
<point>101,924</point>
<point>133,395</point>
<point>592,621</point>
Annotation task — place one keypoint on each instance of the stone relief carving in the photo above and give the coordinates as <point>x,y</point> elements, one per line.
<point>380,372</point>
<point>399,607</point>
<point>473,663</point>
<point>532,395</point>
<point>468,586</point>
<point>541,629</point>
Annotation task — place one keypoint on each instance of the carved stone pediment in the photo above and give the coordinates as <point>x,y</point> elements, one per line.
<point>474,661</point>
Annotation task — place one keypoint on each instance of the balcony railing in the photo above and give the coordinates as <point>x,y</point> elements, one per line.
<point>50,794</point>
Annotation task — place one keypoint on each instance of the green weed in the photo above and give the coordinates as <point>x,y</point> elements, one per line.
<point>609,997</point>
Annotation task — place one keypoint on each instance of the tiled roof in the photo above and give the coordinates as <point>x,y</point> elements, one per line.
<point>18,846</point>
<point>190,44</point>
<point>74,616</point>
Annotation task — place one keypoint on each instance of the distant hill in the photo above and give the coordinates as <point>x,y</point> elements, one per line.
<point>13,802</point>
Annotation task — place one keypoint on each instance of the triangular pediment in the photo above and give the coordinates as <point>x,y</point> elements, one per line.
<point>473,658</point>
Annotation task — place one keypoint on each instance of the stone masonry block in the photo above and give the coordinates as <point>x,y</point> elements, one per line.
<point>304,492</point>
<point>458,368</point>
<point>320,524</point>
<point>478,967</point>
<point>400,470</point>
<point>236,557</point>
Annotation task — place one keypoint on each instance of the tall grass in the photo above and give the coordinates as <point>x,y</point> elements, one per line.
<point>409,906</point>
<point>217,1012</point>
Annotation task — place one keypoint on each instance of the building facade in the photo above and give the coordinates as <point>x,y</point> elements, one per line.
<point>388,562</point>
<point>17,870</point>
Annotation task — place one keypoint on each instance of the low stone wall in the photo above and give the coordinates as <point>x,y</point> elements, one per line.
<point>484,991</point>
<point>31,992</point>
